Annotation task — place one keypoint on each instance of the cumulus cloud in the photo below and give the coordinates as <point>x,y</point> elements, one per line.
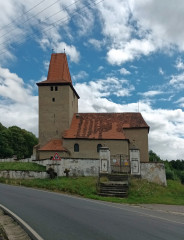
<point>129,51</point>
<point>42,22</point>
<point>105,87</point>
<point>177,81</point>
<point>18,104</point>
<point>151,93</point>
<point>153,30</point>
<point>96,43</point>
<point>179,64</point>
<point>80,75</point>
<point>124,71</point>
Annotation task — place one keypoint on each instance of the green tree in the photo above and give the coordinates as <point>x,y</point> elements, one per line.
<point>153,157</point>
<point>16,141</point>
<point>5,149</point>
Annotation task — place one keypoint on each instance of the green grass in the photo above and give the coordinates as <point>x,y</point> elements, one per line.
<point>140,191</point>
<point>20,166</point>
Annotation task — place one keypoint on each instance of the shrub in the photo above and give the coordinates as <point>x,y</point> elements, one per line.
<point>170,174</point>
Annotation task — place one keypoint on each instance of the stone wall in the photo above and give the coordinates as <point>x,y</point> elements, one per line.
<point>154,172</point>
<point>23,174</point>
<point>15,160</point>
<point>77,167</point>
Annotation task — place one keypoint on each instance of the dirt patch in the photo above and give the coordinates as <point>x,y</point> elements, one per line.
<point>10,230</point>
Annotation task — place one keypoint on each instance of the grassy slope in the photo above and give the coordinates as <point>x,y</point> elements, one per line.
<point>140,190</point>
<point>18,166</point>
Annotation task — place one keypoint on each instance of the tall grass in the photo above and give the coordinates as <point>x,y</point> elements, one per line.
<point>140,191</point>
<point>20,166</point>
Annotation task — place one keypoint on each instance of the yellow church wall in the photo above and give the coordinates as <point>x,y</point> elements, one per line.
<point>88,148</point>
<point>55,116</point>
<point>139,138</point>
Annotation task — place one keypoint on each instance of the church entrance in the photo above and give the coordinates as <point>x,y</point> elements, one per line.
<point>120,163</point>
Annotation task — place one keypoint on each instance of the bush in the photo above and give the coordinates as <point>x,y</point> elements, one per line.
<point>170,174</point>
<point>182,177</point>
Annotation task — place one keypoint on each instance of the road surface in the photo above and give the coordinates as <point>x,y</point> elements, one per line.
<point>57,216</point>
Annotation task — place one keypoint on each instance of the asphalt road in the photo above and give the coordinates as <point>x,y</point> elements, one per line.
<point>62,217</point>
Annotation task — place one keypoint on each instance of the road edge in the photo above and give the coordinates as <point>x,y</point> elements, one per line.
<point>31,232</point>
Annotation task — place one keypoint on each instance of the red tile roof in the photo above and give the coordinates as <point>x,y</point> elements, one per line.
<point>103,125</point>
<point>58,72</point>
<point>53,145</point>
<point>58,69</point>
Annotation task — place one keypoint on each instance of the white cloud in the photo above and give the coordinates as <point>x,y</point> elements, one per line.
<point>177,81</point>
<point>133,49</point>
<point>18,105</point>
<point>124,71</point>
<point>80,75</point>
<point>96,43</point>
<point>179,64</point>
<point>100,68</point>
<point>47,19</point>
<point>150,93</point>
<point>161,72</point>
<point>104,88</point>
<point>181,102</point>
<point>138,28</point>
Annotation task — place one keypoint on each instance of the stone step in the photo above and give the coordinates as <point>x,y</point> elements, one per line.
<point>113,194</point>
<point>118,177</point>
<point>113,189</point>
<point>114,183</point>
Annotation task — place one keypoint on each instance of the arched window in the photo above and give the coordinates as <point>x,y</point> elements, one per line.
<point>98,147</point>
<point>76,147</point>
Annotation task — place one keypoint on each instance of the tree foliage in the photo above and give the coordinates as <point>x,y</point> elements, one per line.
<point>174,169</point>
<point>16,141</point>
<point>153,157</point>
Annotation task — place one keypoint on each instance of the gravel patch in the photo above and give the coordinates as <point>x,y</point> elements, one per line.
<point>10,230</point>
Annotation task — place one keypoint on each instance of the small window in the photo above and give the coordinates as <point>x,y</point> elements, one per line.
<point>51,88</point>
<point>53,99</point>
<point>76,147</point>
<point>56,88</point>
<point>98,147</point>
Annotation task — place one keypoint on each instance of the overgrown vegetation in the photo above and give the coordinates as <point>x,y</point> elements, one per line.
<point>140,191</point>
<point>20,166</point>
<point>174,169</point>
<point>16,141</point>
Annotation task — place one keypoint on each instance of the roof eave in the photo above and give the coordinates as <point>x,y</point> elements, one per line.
<point>58,84</point>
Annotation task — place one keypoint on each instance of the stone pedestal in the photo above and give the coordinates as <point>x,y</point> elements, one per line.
<point>105,166</point>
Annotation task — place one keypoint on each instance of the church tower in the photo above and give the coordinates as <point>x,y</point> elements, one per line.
<point>58,100</point>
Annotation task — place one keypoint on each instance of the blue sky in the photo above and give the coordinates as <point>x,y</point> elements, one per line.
<point>123,55</point>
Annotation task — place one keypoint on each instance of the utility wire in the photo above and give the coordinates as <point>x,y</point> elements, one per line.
<point>11,23</point>
<point>62,10</point>
<point>19,43</point>
<point>31,17</point>
<point>7,39</point>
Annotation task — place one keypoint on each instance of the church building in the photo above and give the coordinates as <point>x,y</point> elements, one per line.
<point>77,135</point>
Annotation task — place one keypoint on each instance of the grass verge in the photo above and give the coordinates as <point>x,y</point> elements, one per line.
<point>140,191</point>
<point>20,166</point>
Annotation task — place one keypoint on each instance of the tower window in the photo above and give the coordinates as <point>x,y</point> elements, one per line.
<point>53,99</point>
<point>76,147</point>
<point>98,147</point>
<point>56,88</point>
<point>51,88</point>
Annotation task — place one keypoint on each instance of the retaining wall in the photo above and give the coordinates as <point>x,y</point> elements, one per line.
<point>154,172</point>
<point>23,174</point>
<point>77,167</point>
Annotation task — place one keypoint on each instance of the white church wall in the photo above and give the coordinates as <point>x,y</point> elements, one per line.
<point>77,167</point>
